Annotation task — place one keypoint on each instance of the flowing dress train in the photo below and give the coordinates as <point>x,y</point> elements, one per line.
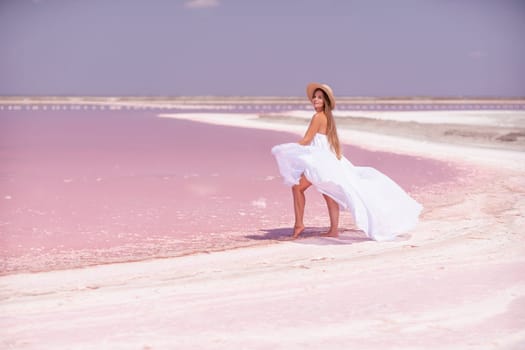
<point>380,207</point>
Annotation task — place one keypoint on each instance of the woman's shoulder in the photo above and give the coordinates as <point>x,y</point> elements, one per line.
<point>319,115</point>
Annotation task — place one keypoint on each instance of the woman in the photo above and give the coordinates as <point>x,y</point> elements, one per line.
<point>380,207</point>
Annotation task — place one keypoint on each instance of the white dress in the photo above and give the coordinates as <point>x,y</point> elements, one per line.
<point>380,207</point>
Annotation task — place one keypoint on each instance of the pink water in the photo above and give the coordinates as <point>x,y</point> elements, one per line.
<point>91,187</point>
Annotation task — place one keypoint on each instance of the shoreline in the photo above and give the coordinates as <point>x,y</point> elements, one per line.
<point>477,129</point>
<point>388,136</point>
<point>459,155</point>
<point>199,185</point>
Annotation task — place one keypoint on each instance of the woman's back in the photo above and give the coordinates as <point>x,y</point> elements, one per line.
<point>323,123</point>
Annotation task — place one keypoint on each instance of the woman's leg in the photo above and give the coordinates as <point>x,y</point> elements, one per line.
<point>333,212</point>
<point>299,202</point>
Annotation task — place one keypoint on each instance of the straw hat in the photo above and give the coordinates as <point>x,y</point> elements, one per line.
<point>314,86</point>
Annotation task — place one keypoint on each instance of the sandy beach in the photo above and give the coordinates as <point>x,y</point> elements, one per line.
<point>454,282</point>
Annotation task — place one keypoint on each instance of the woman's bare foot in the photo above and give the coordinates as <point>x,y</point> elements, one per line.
<point>330,234</point>
<point>297,230</point>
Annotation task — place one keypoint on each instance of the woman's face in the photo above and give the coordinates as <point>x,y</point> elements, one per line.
<point>318,100</point>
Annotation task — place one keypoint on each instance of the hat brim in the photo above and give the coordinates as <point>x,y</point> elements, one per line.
<point>310,88</point>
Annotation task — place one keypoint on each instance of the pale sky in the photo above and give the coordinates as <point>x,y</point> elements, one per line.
<point>262,47</point>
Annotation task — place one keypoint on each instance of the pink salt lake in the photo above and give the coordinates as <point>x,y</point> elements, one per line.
<point>79,188</point>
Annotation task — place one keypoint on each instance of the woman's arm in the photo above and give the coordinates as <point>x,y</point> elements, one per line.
<point>313,128</point>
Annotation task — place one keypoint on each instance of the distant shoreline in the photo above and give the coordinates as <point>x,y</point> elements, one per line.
<point>251,99</point>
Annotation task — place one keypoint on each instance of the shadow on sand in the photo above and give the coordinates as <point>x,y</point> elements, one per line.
<point>312,235</point>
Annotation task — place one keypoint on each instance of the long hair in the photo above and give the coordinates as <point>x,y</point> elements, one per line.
<point>331,129</point>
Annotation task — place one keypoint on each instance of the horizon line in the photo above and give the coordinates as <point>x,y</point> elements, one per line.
<point>262,97</point>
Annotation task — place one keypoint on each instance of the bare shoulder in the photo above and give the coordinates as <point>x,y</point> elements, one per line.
<point>319,116</point>
<point>320,119</point>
